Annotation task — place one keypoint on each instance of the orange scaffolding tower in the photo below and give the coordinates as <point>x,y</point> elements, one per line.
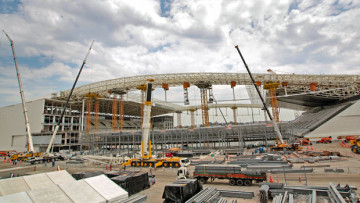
<point>272,92</point>
<point>121,114</point>
<point>96,124</point>
<point>204,107</point>
<point>88,115</point>
<point>114,113</point>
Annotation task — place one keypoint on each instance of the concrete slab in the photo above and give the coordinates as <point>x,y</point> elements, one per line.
<point>60,177</point>
<point>107,188</point>
<point>13,185</point>
<point>51,194</point>
<point>22,197</point>
<point>38,181</point>
<point>80,191</point>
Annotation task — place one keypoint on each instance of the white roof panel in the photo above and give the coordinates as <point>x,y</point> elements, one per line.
<point>107,188</point>
<point>13,185</point>
<point>80,191</point>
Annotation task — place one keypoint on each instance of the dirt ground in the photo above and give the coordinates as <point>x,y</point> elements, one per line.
<point>349,161</point>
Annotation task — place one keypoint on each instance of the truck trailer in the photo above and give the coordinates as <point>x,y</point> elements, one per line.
<point>232,172</point>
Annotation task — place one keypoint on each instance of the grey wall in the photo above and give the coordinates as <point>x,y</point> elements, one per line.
<point>12,124</point>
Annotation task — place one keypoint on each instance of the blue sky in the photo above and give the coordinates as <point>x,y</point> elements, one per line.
<point>168,36</point>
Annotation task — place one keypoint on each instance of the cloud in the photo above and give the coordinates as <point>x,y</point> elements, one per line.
<point>170,36</point>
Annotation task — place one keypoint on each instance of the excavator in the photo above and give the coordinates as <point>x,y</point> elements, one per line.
<point>281,145</point>
<point>146,159</point>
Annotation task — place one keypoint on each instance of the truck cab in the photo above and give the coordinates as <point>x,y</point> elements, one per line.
<point>182,173</point>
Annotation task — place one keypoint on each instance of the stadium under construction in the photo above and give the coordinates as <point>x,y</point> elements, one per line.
<point>105,117</point>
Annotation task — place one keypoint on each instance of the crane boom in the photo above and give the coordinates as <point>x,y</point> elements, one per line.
<point>30,142</point>
<point>276,128</point>
<point>67,102</point>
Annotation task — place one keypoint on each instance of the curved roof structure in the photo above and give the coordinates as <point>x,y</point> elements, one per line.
<point>293,90</point>
<point>337,86</point>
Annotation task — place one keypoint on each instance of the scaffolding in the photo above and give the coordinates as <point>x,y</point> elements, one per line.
<point>114,113</point>
<point>121,114</point>
<point>96,124</point>
<point>272,92</point>
<point>88,115</point>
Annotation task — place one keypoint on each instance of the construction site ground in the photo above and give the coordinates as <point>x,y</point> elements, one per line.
<point>349,162</point>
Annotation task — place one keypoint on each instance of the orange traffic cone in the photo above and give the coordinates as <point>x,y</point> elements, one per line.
<point>271,179</point>
<point>299,180</point>
<point>308,148</point>
<point>312,148</point>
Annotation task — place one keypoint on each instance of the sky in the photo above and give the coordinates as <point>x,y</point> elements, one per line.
<point>171,36</point>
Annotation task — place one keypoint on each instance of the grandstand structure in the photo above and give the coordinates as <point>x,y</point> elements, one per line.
<point>107,114</point>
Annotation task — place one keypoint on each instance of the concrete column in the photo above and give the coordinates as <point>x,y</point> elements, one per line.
<point>178,114</point>
<point>192,117</point>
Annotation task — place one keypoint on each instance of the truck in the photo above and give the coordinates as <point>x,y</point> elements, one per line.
<point>231,172</point>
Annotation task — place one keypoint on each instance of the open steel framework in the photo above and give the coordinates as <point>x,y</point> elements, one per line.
<point>219,137</point>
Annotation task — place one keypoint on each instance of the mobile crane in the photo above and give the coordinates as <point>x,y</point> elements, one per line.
<point>280,143</point>
<point>146,159</point>
<point>355,145</point>
<point>47,154</point>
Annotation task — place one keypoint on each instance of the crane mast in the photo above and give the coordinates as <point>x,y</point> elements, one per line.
<point>276,128</point>
<point>145,143</point>
<point>67,102</point>
<point>29,137</point>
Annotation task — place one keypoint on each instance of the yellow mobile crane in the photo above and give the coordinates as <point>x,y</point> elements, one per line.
<point>355,145</point>
<point>280,143</point>
<point>146,159</point>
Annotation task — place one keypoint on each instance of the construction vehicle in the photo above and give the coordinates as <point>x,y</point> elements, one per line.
<point>355,145</point>
<point>325,140</point>
<point>280,143</point>
<point>27,124</point>
<point>306,141</point>
<point>231,172</point>
<point>146,159</point>
<point>347,138</point>
<point>182,173</point>
<point>47,154</point>
<point>24,157</point>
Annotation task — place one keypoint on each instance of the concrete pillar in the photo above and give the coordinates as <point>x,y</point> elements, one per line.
<point>178,114</point>
<point>192,117</point>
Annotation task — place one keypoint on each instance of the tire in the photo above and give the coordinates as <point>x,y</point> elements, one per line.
<point>247,182</point>
<point>239,182</point>
<point>232,182</point>
<point>202,181</point>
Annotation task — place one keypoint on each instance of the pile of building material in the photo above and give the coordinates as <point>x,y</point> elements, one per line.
<point>213,160</point>
<point>280,193</point>
<point>181,190</point>
<point>214,195</point>
<point>264,163</point>
<point>60,186</point>
<point>132,182</point>
<point>234,151</point>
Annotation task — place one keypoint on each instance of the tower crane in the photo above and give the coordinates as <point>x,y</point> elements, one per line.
<point>280,143</point>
